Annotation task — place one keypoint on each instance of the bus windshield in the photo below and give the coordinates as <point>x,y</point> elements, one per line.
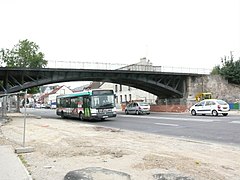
<point>103,101</point>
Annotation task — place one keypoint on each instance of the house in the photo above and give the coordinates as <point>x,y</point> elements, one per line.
<point>55,92</point>
<point>49,99</point>
<point>125,94</point>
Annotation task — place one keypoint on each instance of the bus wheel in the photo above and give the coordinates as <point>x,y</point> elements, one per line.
<point>81,116</point>
<point>62,115</point>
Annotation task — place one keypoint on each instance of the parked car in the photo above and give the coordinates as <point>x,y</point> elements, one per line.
<point>137,108</point>
<point>210,106</point>
<point>37,105</point>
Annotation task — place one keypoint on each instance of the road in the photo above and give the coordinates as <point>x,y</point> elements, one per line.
<point>205,128</point>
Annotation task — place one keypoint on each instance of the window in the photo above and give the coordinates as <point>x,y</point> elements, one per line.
<point>62,91</point>
<point>116,88</point>
<point>120,98</point>
<point>65,102</point>
<point>74,102</point>
<point>208,103</point>
<point>130,97</point>
<point>125,98</point>
<point>120,88</point>
<point>116,99</point>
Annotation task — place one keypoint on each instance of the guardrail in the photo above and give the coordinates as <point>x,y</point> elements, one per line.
<point>131,67</point>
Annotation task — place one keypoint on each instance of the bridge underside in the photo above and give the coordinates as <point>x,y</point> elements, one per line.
<point>160,84</point>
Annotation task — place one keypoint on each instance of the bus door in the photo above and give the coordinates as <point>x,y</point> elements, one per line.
<point>86,106</point>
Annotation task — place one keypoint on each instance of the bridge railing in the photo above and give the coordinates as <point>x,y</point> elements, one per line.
<point>132,67</point>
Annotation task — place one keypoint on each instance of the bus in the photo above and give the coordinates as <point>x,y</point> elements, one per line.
<point>87,104</point>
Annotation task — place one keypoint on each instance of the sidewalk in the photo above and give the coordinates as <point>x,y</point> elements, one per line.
<point>11,166</point>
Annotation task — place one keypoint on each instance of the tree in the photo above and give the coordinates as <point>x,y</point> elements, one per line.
<point>215,70</point>
<point>24,54</point>
<point>229,69</point>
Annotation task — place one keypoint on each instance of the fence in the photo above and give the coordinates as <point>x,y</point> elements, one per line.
<point>171,105</point>
<point>132,67</point>
<point>180,105</point>
<point>8,103</point>
<point>234,106</point>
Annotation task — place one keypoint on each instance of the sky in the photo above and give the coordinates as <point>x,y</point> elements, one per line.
<point>179,33</point>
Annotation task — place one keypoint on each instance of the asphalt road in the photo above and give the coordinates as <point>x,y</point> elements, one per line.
<point>205,128</point>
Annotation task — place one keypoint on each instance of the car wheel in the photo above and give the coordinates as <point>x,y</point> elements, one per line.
<point>225,114</point>
<point>214,113</point>
<point>193,112</point>
<point>62,115</point>
<point>81,116</point>
<point>137,112</point>
<point>126,112</point>
<point>148,113</point>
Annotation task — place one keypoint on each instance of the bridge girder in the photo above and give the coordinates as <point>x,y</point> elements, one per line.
<point>161,84</point>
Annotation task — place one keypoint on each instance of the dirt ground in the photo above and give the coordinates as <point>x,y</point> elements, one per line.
<point>65,145</point>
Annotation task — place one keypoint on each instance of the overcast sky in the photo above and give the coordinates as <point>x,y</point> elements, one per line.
<point>187,33</point>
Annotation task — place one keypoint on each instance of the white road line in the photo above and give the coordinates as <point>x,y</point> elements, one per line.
<point>173,118</point>
<point>235,122</point>
<point>163,124</point>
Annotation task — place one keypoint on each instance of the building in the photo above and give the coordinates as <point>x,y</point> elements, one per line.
<point>54,93</point>
<point>49,99</point>
<point>125,94</point>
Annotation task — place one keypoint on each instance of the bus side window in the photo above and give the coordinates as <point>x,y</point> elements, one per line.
<point>79,102</point>
<point>73,102</point>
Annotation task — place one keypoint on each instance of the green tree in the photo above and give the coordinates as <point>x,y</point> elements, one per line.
<point>24,54</point>
<point>229,69</point>
<point>215,70</point>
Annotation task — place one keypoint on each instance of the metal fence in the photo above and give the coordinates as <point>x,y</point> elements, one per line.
<point>170,101</point>
<point>8,103</point>
<point>131,67</point>
<point>234,106</point>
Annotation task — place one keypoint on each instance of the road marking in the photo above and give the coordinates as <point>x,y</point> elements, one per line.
<point>173,118</point>
<point>163,124</point>
<point>235,122</point>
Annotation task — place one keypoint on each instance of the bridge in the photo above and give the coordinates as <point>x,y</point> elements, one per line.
<point>148,78</point>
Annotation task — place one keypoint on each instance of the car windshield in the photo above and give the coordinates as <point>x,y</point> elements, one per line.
<point>221,102</point>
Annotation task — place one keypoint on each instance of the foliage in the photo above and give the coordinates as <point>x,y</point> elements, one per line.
<point>229,69</point>
<point>215,70</point>
<point>24,54</point>
<point>33,90</point>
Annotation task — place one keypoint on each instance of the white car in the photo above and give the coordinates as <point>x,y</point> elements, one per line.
<point>210,106</point>
<point>137,108</point>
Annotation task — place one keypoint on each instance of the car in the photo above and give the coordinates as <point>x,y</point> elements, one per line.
<point>210,106</point>
<point>137,108</point>
<point>37,105</point>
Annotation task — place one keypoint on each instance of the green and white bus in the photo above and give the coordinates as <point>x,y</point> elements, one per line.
<point>89,104</point>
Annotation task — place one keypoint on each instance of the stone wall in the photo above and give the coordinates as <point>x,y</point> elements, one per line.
<point>217,85</point>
